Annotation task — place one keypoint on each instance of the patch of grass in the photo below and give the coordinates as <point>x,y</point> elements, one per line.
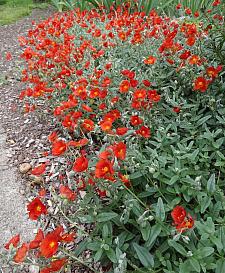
<point>13,10</point>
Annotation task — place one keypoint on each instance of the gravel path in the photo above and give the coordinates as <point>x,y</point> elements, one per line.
<point>19,134</point>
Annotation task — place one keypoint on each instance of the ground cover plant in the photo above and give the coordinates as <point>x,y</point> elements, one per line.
<point>138,105</point>
<point>12,10</point>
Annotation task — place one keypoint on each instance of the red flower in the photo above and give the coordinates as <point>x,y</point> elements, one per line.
<point>80,164</point>
<point>144,131</point>
<point>121,131</point>
<point>147,83</point>
<point>50,243</point>
<point>181,220</point>
<point>178,214</point>
<point>176,109</point>
<point>88,125</point>
<point>124,86</point>
<point>67,192</point>
<point>21,253</point>
<point>120,150</point>
<point>57,264</point>
<point>58,147</point>
<point>8,56</point>
<point>40,169</point>
<point>135,120</point>
<point>37,240</point>
<point>104,169</point>
<point>200,84</point>
<point>36,208</point>
<point>13,241</point>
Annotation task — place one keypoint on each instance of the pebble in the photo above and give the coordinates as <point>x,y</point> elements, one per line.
<point>24,168</point>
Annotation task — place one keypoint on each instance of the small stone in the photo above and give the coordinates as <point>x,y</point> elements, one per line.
<point>33,269</point>
<point>36,180</point>
<point>24,167</point>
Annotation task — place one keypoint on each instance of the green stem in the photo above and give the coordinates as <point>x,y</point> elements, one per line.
<point>73,223</point>
<point>78,260</point>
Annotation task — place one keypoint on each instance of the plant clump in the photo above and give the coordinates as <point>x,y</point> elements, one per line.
<point>138,104</point>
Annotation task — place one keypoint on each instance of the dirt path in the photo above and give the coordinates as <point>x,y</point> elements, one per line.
<point>16,132</point>
<point>13,218</point>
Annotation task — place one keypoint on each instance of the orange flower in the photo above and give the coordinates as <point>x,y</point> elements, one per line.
<point>53,136</point>
<point>49,245</point>
<point>79,143</point>
<point>200,84</point>
<point>125,179</point>
<point>122,35</point>
<point>68,237</point>
<point>124,86</point>
<point>37,240</point>
<point>104,169</point>
<point>58,147</point>
<point>36,208</point>
<point>106,125</point>
<point>67,192</point>
<point>13,241</point>
<point>194,59</point>
<point>40,169</point>
<point>21,253</point>
<point>80,164</point>
<point>150,60</point>
<point>120,150</point>
<point>139,94</point>
<point>212,72</point>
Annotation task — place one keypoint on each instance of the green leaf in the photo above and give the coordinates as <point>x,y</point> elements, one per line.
<point>178,247</point>
<point>98,255</point>
<point>111,255</point>
<point>195,264</point>
<point>160,211</point>
<point>94,246</point>
<point>146,231</point>
<point>211,187</point>
<point>105,231</point>
<point>144,255</point>
<point>220,266</point>
<point>203,120</point>
<point>80,247</point>
<point>205,202</point>
<point>204,252</point>
<point>106,216</point>
<point>155,231</point>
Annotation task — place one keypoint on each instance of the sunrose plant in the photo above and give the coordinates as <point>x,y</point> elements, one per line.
<point>138,104</point>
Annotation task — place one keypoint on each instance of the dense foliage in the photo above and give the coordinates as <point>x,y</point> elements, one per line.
<point>138,101</point>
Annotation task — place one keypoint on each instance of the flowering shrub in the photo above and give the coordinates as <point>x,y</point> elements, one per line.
<point>139,106</point>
